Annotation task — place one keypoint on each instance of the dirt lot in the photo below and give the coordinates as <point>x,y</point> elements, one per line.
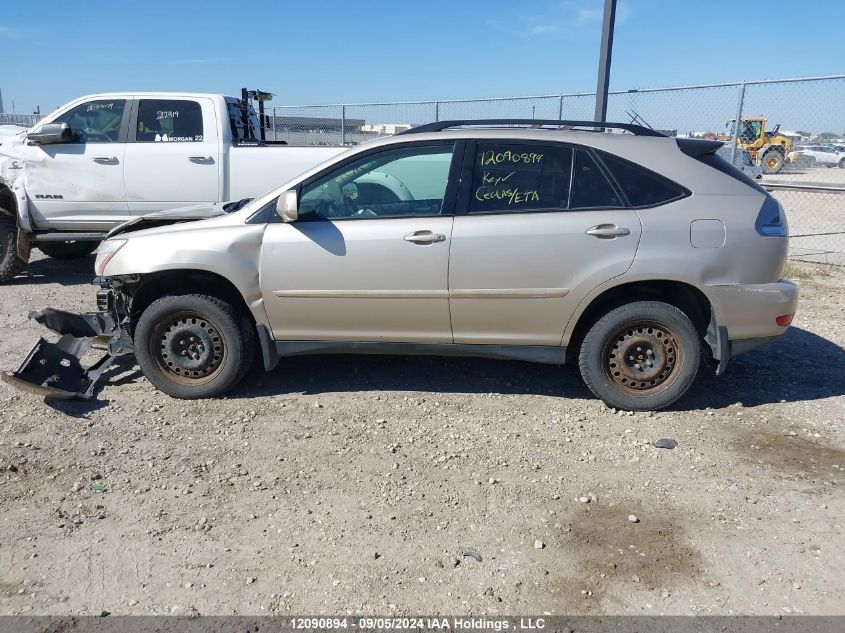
<point>356,484</point>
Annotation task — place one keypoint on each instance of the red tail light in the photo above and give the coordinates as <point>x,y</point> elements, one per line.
<point>784,319</point>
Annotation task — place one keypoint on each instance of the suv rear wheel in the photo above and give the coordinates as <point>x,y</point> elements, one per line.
<point>68,250</point>
<point>194,346</point>
<point>641,356</point>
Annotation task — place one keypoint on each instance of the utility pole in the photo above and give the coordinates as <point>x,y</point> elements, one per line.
<point>604,59</point>
<point>1,102</point>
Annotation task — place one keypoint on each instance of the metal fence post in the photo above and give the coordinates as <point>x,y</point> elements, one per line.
<point>560,108</point>
<point>343,125</point>
<point>436,111</point>
<point>736,121</point>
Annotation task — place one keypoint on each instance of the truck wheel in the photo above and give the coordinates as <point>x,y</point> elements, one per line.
<point>194,346</point>
<point>10,263</point>
<point>772,162</point>
<point>641,356</point>
<point>68,250</point>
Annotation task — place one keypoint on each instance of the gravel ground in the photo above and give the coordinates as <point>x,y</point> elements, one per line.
<point>359,484</point>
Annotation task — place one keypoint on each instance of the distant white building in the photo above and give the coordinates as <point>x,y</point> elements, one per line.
<point>796,135</point>
<point>385,128</point>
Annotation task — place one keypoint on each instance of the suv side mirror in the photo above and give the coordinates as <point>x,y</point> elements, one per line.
<point>52,133</point>
<point>287,206</point>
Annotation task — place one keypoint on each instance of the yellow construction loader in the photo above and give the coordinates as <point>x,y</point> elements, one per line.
<point>768,149</point>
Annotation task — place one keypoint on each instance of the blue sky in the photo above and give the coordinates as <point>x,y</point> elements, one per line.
<point>331,50</point>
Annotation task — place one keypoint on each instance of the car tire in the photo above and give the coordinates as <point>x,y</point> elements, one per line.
<point>11,264</point>
<point>68,250</point>
<point>616,351</point>
<point>194,346</point>
<point>842,164</point>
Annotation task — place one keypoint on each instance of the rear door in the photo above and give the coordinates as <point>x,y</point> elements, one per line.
<point>173,154</point>
<point>79,185</point>
<point>537,223</point>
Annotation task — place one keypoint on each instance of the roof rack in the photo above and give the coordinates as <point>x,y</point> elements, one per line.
<point>439,126</point>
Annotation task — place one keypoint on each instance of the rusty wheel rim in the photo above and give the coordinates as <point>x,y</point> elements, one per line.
<point>643,358</point>
<point>188,348</point>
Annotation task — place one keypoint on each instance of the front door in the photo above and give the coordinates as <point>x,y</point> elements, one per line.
<point>172,158</point>
<point>368,258</point>
<point>539,223</point>
<point>79,185</point>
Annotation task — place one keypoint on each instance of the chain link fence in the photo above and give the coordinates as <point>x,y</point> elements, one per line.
<point>24,120</point>
<point>789,128</point>
<point>793,130</point>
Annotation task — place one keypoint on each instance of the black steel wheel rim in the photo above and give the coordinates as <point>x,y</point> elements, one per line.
<point>188,348</point>
<point>643,358</point>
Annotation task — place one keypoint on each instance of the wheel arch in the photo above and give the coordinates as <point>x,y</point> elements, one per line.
<point>152,286</point>
<point>8,202</point>
<point>684,296</point>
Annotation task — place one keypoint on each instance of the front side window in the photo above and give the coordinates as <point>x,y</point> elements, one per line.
<point>95,121</point>
<point>168,121</point>
<point>512,178</point>
<point>407,181</point>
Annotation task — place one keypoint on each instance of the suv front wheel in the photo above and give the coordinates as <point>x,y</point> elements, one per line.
<point>194,346</point>
<point>641,356</point>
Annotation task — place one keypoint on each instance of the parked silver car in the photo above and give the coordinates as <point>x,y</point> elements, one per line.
<point>550,243</point>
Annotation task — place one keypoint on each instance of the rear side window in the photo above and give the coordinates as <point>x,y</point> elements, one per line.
<point>642,187</point>
<point>168,121</point>
<point>511,178</point>
<point>590,187</point>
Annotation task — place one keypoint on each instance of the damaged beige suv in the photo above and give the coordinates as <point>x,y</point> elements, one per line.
<point>548,241</point>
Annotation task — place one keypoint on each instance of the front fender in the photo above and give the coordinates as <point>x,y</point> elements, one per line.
<point>232,252</point>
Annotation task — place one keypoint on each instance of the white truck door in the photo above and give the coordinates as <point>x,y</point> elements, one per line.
<point>79,185</point>
<point>173,154</point>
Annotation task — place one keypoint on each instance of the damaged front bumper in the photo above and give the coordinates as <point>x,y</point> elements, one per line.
<point>55,370</point>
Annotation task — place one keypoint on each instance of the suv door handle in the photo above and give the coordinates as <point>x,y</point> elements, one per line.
<point>607,231</point>
<point>201,159</point>
<point>105,160</point>
<point>424,237</point>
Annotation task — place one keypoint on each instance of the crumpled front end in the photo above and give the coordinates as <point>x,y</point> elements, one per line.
<point>55,370</point>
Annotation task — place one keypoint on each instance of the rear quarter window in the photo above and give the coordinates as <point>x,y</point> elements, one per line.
<point>642,187</point>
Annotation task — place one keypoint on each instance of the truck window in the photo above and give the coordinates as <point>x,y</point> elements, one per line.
<point>243,127</point>
<point>168,121</point>
<point>95,121</point>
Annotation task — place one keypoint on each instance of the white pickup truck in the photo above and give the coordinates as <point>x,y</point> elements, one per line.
<point>104,159</point>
